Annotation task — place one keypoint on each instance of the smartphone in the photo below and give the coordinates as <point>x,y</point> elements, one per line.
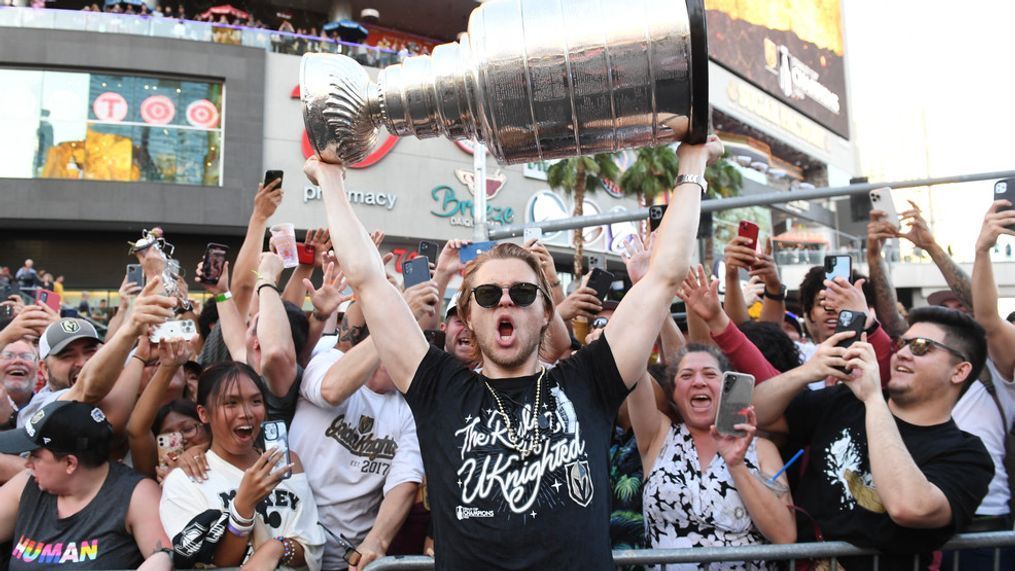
<point>435,337</point>
<point>734,396</point>
<point>597,261</point>
<point>655,216</point>
<point>416,271</point>
<point>601,280</point>
<point>46,297</point>
<point>178,329</point>
<point>532,234</point>
<point>135,275</point>
<point>881,199</point>
<point>168,443</point>
<point>270,176</point>
<point>838,267</point>
<point>305,254</point>
<point>470,252</point>
<point>750,231</point>
<point>6,311</point>
<point>214,260</point>
<point>431,250</point>
<point>1005,190</point>
<point>276,436</point>
<point>854,321</point>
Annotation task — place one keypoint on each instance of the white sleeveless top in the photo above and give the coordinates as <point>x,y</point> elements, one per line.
<point>686,506</point>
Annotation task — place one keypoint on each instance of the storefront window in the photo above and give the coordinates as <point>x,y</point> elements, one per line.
<point>96,126</point>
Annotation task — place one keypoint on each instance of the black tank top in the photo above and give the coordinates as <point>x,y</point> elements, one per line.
<point>94,538</point>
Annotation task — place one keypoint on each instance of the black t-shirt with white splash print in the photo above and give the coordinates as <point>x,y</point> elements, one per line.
<point>837,492</point>
<point>493,509</point>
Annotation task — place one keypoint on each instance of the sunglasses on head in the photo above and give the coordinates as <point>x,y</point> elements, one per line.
<point>920,346</point>
<point>522,294</point>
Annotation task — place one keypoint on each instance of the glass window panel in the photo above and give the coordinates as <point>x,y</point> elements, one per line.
<point>104,126</point>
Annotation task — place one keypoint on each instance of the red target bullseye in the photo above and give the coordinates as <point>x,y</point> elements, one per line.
<point>157,110</point>
<point>203,113</point>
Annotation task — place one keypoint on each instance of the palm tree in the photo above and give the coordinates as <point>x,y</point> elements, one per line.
<point>576,176</point>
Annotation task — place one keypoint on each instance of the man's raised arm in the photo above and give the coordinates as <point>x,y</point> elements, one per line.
<point>399,340</point>
<point>636,322</point>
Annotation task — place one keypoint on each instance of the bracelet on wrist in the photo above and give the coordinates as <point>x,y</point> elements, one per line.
<point>268,285</point>
<point>144,362</point>
<point>288,551</point>
<point>781,296</point>
<point>223,297</point>
<point>238,531</point>
<point>236,517</point>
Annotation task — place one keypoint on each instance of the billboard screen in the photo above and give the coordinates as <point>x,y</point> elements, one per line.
<point>791,49</point>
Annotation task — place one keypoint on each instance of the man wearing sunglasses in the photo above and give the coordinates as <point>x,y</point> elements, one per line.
<point>892,473</point>
<point>516,456</point>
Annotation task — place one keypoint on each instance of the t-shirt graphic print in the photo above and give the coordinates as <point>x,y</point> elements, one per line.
<point>517,481</point>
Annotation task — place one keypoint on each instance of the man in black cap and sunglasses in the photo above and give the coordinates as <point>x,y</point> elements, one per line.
<point>892,473</point>
<point>517,455</point>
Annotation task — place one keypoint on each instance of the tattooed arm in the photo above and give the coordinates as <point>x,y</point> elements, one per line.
<point>885,299</point>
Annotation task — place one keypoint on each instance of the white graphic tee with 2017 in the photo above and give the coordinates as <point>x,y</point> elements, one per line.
<point>358,451</point>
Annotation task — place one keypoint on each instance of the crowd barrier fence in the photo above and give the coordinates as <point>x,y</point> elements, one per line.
<point>792,552</point>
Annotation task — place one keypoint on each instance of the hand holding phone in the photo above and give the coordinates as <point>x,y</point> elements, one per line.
<point>749,230</point>
<point>431,250</point>
<point>276,436</point>
<point>214,262</point>
<point>838,267</point>
<point>881,199</point>
<point>1005,190</point>
<point>532,234</point>
<point>416,271</point>
<point>48,298</point>
<point>170,446</point>
<point>735,395</point>
<point>135,275</point>
<point>601,280</point>
<point>472,251</point>
<point>272,176</point>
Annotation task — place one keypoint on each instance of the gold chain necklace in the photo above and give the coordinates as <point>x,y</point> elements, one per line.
<point>513,437</point>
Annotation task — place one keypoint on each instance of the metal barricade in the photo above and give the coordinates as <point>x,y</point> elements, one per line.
<point>791,552</point>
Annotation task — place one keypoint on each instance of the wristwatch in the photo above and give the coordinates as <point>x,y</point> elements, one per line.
<point>693,179</point>
<point>781,296</point>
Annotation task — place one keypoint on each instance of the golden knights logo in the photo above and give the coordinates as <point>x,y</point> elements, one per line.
<point>359,439</point>
<point>70,326</point>
<point>579,482</point>
<point>366,424</point>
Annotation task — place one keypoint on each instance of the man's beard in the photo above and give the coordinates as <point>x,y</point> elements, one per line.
<point>27,386</point>
<point>488,353</point>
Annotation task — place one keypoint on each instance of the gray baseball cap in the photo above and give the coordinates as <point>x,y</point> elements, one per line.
<point>64,332</point>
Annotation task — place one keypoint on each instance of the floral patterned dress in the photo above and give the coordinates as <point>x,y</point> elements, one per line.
<point>686,506</point>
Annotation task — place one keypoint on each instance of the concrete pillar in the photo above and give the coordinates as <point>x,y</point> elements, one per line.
<point>339,10</point>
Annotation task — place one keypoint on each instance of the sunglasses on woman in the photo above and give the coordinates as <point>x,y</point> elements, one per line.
<point>920,346</point>
<point>522,294</point>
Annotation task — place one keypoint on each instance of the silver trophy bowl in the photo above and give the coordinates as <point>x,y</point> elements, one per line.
<point>532,79</point>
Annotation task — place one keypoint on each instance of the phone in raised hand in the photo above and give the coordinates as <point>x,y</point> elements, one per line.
<point>416,271</point>
<point>734,396</point>
<point>881,199</point>
<point>838,267</point>
<point>277,436</point>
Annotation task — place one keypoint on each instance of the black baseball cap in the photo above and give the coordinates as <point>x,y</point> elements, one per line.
<point>64,427</point>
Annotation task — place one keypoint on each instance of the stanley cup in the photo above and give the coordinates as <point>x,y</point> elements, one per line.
<point>532,79</point>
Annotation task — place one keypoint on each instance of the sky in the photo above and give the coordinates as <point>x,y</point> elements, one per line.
<point>932,93</point>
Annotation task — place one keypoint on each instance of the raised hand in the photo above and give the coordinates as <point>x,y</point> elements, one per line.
<point>995,223</point>
<point>319,241</point>
<point>879,230</point>
<point>423,299</point>
<point>840,295</point>
<point>583,302</point>
<point>545,260</point>
<point>448,262</point>
<point>702,296</point>
<point>267,199</point>
<point>269,267</point>
<point>919,232</point>
<point>864,374</point>
<point>174,352</point>
<point>219,287</point>
<point>329,296</point>
<point>636,256</point>
<point>739,254</point>
<point>258,481</point>
<point>150,308</point>
<point>32,321</point>
<point>829,361</point>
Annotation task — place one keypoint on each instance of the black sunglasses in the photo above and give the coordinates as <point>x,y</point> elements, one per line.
<point>351,556</point>
<point>522,294</point>
<point>920,346</point>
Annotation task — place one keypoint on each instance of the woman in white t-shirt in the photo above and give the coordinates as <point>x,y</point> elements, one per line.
<point>245,511</point>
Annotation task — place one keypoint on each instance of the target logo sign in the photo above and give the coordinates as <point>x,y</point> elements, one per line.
<point>203,113</point>
<point>157,110</point>
<point>110,106</point>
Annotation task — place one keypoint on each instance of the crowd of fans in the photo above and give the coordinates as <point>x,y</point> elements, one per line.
<point>517,426</point>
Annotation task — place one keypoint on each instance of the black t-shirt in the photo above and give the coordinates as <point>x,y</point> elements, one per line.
<point>491,508</point>
<point>284,408</point>
<point>837,488</point>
